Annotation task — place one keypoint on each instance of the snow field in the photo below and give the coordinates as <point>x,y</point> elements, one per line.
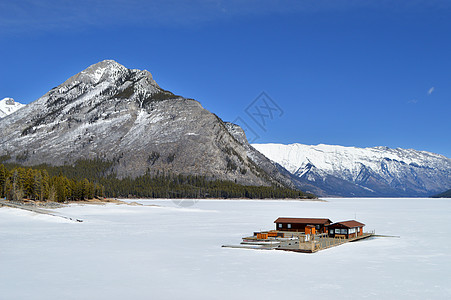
<point>170,252</point>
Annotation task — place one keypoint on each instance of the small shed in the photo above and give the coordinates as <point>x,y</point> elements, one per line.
<point>346,229</point>
<point>311,225</point>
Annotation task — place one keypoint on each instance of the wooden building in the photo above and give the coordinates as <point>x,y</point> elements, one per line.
<point>346,229</point>
<point>307,225</point>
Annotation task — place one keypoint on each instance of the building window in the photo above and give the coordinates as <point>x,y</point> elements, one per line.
<point>331,231</point>
<point>317,227</point>
<point>337,231</point>
<point>344,231</point>
<point>280,225</point>
<point>288,226</point>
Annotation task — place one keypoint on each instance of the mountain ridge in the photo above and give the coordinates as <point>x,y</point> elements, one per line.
<point>122,115</point>
<point>445,194</point>
<point>374,171</point>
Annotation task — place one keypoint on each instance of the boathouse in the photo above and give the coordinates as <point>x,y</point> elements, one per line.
<point>346,229</point>
<point>307,225</point>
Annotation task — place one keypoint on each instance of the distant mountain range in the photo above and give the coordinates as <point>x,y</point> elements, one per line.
<point>446,194</point>
<point>8,106</point>
<point>108,112</point>
<point>112,113</point>
<point>328,170</point>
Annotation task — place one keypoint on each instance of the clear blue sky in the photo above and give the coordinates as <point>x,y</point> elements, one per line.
<point>354,73</point>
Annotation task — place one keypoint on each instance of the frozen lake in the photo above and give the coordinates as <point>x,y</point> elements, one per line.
<point>171,252</point>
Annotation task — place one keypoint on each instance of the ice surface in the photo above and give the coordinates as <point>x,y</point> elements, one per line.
<point>170,252</point>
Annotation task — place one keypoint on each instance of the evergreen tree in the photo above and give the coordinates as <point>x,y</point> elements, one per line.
<point>28,183</point>
<point>3,177</point>
<point>88,179</point>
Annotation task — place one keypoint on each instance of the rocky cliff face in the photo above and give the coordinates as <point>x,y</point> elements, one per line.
<point>368,172</point>
<point>273,169</point>
<point>113,113</point>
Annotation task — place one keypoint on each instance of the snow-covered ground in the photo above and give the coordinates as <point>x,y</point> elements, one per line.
<point>171,252</point>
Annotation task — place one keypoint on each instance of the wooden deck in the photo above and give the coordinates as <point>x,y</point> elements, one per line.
<point>322,243</point>
<point>297,244</point>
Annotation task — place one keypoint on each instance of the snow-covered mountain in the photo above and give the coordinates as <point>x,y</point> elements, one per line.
<point>351,171</point>
<point>8,106</point>
<point>112,113</point>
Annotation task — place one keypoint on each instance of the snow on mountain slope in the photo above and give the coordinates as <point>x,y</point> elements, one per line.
<point>121,115</point>
<point>8,106</point>
<point>377,170</point>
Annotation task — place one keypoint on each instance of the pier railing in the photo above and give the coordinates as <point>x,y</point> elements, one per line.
<point>323,241</point>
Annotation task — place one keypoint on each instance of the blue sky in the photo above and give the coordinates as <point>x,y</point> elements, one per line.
<point>354,73</point>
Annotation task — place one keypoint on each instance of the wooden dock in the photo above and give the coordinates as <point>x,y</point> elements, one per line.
<point>323,243</point>
<point>313,245</point>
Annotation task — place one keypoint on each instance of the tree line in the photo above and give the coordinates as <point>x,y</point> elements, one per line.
<point>19,182</point>
<point>95,178</point>
<point>191,186</point>
<point>446,194</point>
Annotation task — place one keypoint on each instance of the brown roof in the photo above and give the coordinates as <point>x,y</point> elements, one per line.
<point>303,221</point>
<point>350,224</point>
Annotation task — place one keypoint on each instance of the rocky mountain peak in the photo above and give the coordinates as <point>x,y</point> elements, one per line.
<point>8,106</point>
<point>100,91</point>
<point>8,101</point>
<point>110,72</point>
<point>106,70</point>
<point>122,116</point>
